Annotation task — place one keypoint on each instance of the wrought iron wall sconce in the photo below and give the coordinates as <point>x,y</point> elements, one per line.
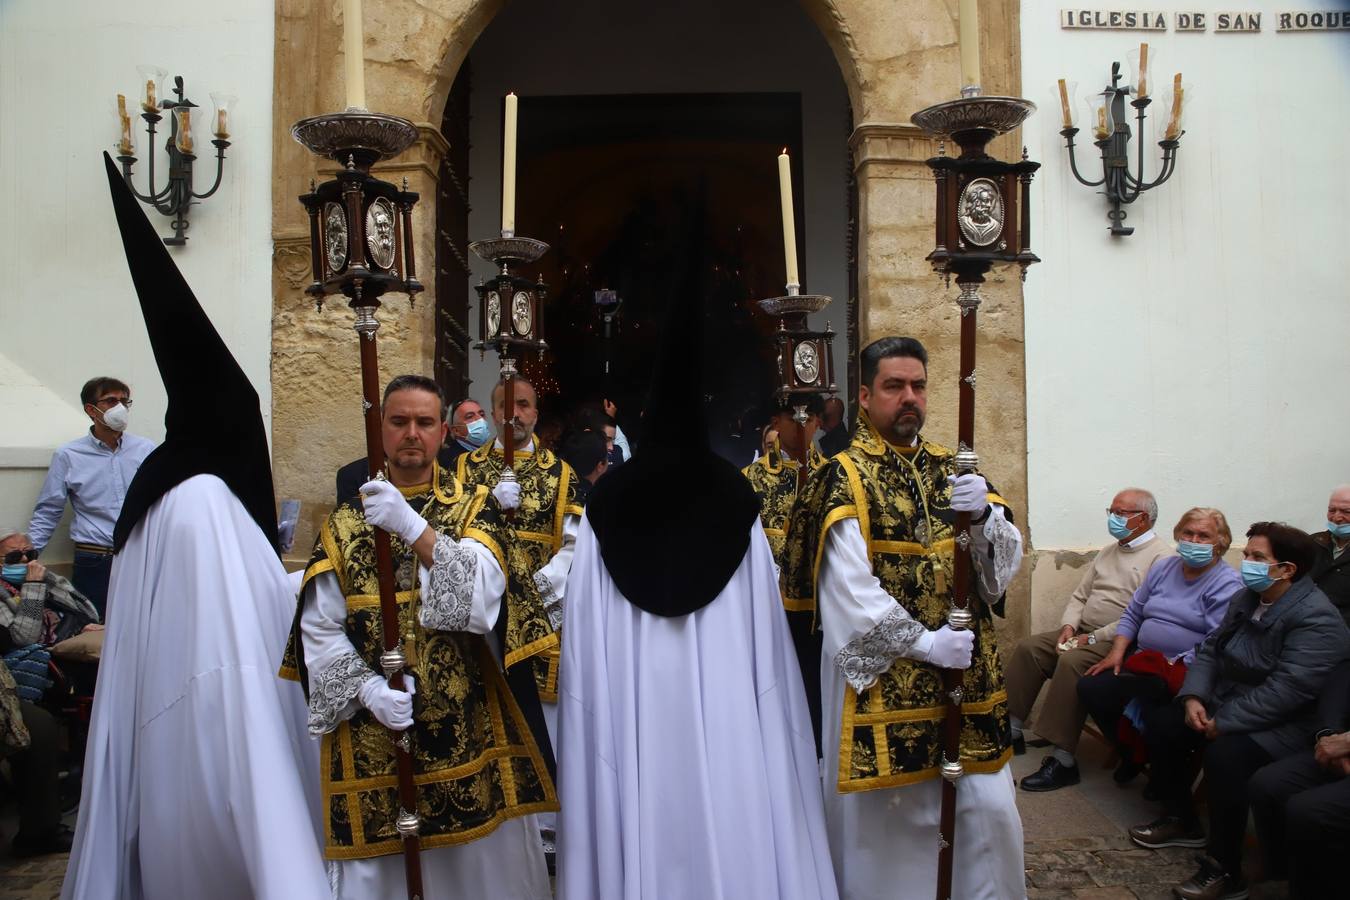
<point>1111,132</point>
<point>177,195</point>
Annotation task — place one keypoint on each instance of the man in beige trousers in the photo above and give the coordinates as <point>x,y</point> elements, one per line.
<point>1084,637</point>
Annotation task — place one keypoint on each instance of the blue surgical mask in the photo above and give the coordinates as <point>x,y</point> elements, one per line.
<point>1196,555</point>
<point>1339,529</point>
<point>1256,575</point>
<point>478,434</point>
<point>1119,526</point>
<point>14,574</point>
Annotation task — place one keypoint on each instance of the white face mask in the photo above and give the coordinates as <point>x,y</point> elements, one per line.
<point>116,418</point>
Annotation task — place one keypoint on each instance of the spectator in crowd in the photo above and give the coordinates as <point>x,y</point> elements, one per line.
<point>1084,638</point>
<point>834,436</point>
<point>469,426</point>
<point>1302,802</point>
<point>37,606</point>
<point>1182,599</point>
<point>355,473</point>
<point>29,741</point>
<point>1248,699</point>
<point>620,440</point>
<point>1331,571</point>
<point>584,451</point>
<point>92,473</point>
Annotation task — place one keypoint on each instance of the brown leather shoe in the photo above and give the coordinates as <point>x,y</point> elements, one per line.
<point>1169,831</point>
<point>1211,882</point>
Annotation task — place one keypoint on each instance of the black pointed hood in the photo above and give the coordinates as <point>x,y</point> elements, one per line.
<point>203,382</point>
<point>674,522</point>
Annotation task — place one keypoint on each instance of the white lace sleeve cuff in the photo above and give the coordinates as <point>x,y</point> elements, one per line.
<point>331,690</point>
<point>553,607</point>
<point>1001,556</point>
<point>447,601</point>
<point>863,659</point>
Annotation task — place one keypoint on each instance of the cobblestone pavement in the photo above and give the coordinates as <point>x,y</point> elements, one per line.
<point>31,879</point>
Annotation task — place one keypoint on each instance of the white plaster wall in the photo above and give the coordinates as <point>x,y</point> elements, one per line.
<point>694,46</point>
<point>69,311</point>
<point>1204,356</point>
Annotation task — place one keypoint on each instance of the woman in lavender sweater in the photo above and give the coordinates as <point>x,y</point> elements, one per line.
<point>1181,601</point>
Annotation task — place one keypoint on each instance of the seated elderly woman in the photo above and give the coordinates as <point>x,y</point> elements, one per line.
<point>1249,698</point>
<point>1180,602</point>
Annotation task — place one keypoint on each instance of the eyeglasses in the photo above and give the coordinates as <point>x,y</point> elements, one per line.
<point>1124,512</point>
<point>14,557</point>
<point>110,402</point>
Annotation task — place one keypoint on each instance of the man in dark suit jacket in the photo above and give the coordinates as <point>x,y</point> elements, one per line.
<point>1302,802</point>
<point>1331,572</point>
<point>834,436</point>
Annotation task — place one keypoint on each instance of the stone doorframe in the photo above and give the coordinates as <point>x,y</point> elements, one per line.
<point>895,58</point>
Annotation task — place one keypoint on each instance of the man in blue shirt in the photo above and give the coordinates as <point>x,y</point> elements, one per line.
<point>93,473</point>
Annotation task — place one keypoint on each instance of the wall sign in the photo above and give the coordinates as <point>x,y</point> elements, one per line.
<point>1221,22</point>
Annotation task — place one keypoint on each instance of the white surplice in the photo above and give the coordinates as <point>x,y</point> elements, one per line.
<point>199,780</point>
<point>461,591</point>
<point>686,765</point>
<point>884,838</point>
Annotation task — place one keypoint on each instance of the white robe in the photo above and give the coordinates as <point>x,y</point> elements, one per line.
<point>686,766</point>
<point>199,780</point>
<point>884,838</point>
<point>506,864</point>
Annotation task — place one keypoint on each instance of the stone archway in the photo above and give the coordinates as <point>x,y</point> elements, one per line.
<point>895,58</point>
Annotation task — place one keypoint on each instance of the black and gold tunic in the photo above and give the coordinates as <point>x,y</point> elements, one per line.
<point>891,732</point>
<point>774,478</point>
<point>476,763</point>
<point>548,489</point>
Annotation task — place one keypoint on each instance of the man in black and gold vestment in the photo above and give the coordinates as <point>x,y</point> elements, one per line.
<point>480,774</point>
<point>870,548</point>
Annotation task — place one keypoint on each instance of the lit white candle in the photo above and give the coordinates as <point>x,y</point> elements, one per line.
<point>353,46</point>
<point>789,220</point>
<point>509,166</point>
<point>968,22</point>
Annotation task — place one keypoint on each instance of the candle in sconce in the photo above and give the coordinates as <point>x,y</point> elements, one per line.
<point>221,131</point>
<point>789,219</point>
<point>1141,89</point>
<point>509,165</point>
<point>1100,130</point>
<point>124,146</point>
<point>150,104</point>
<point>184,129</point>
<point>1064,104</point>
<point>354,53</point>
<point>968,25</point>
<point>1174,123</point>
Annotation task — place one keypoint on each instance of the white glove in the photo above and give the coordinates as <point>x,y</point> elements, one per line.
<point>951,649</point>
<point>392,708</point>
<point>969,493</point>
<point>507,494</point>
<point>386,508</point>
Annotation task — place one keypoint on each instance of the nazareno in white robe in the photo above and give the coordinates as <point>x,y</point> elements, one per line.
<point>200,780</point>
<point>686,765</point>
<point>886,838</point>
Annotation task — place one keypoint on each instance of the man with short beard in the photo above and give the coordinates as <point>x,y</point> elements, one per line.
<point>870,547</point>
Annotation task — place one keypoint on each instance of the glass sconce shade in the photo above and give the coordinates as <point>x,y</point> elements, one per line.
<point>223,120</point>
<point>1143,63</point>
<point>151,89</point>
<point>1100,117</point>
<point>1065,93</point>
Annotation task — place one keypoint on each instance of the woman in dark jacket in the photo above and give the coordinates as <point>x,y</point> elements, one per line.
<point>1248,699</point>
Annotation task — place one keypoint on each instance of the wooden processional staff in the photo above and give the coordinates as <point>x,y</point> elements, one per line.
<point>983,219</point>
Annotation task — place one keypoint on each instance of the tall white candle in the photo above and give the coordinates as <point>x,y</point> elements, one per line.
<point>789,220</point>
<point>509,166</point>
<point>969,24</point>
<point>353,46</point>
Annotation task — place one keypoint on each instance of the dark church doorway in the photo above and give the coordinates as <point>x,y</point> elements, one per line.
<point>653,197</point>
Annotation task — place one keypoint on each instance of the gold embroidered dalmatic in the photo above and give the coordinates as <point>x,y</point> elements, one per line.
<point>891,733</point>
<point>476,763</point>
<point>548,491</point>
<point>774,478</point>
